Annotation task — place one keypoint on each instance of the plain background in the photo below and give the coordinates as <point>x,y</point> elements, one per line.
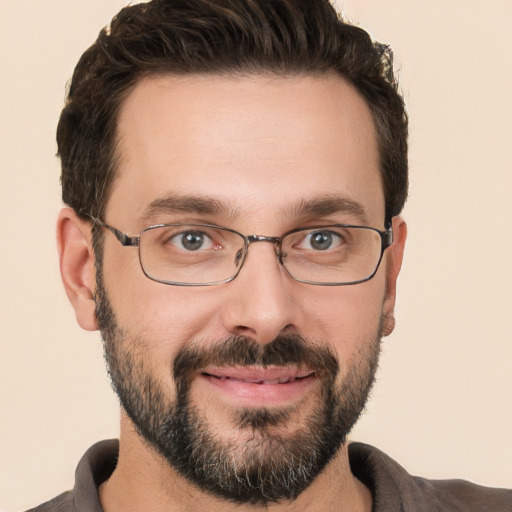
<point>442,403</point>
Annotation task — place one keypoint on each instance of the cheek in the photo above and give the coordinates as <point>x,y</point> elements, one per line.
<point>351,326</point>
<point>347,318</point>
<point>165,317</point>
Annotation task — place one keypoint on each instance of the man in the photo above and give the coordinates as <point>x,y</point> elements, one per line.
<point>234,172</point>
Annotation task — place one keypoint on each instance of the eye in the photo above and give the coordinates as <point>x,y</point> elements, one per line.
<point>191,241</point>
<point>321,241</point>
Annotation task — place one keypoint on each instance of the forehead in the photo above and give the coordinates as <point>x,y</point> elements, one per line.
<point>257,145</point>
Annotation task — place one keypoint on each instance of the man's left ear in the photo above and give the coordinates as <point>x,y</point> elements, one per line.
<point>394,256</point>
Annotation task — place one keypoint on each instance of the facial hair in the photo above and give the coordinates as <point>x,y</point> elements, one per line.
<point>270,466</point>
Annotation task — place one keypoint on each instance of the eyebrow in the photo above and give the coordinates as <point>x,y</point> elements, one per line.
<point>305,209</point>
<point>326,205</point>
<point>172,203</point>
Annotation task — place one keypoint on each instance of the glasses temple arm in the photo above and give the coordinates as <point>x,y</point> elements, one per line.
<point>387,237</point>
<point>126,240</point>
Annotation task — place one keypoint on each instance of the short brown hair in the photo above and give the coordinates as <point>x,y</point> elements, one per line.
<point>223,37</point>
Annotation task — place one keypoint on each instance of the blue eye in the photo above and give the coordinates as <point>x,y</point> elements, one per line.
<point>322,240</point>
<point>191,241</point>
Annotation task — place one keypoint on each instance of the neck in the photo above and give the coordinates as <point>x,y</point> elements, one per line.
<point>143,481</point>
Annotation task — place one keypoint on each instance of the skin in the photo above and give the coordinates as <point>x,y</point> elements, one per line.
<point>260,146</point>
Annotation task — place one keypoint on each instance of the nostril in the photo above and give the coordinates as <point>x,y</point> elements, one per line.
<point>247,332</point>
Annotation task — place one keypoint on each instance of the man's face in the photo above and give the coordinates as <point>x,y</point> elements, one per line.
<point>228,379</point>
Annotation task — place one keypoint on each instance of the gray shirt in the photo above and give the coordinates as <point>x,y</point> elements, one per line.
<point>393,489</point>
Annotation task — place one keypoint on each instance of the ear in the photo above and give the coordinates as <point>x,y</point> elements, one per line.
<point>76,257</point>
<point>394,256</point>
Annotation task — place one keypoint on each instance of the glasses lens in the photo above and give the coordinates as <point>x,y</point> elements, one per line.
<point>192,254</point>
<point>332,254</point>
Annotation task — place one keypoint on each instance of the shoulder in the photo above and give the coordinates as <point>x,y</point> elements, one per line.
<point>96,466</point>
<point>467,496</point>
<point>393,488</point>
<point>61,503</point>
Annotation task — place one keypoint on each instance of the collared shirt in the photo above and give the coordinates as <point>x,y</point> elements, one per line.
<point>392,488</point>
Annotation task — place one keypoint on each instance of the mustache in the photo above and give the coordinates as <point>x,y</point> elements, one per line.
<point>285,350</point>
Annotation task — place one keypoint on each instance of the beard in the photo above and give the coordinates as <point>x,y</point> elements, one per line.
<point>266,464</point>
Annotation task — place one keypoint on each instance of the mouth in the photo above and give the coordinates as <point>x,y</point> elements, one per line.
<point>258,376</point>
<point>257,386</point>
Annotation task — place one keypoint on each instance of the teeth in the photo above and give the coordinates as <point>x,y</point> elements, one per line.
<point>282,380</point>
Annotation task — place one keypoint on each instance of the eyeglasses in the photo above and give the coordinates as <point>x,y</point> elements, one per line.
<point>205,254</point>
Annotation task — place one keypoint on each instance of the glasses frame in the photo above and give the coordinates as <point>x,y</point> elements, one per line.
<point>126,240</point>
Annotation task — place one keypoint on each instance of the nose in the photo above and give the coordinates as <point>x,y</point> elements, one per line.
<point>261,301</point>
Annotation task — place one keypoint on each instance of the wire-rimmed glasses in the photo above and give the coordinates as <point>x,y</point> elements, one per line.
<point>206,254</point>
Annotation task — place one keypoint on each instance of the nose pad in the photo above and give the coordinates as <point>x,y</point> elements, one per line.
<point>280,254</point>
<point>241,254</point>
<point>238,257</point>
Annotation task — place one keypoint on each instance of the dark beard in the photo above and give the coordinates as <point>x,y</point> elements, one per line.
<point>269,467</point>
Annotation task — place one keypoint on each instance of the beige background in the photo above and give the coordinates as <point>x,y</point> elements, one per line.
<point>442,405</point>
